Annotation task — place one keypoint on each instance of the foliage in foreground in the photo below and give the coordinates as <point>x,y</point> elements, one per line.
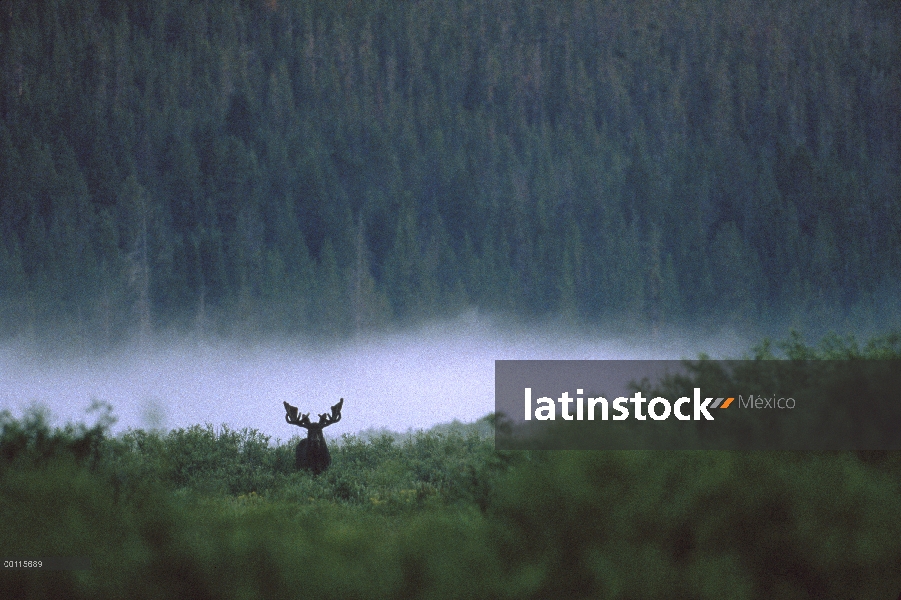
<point>221,514</point>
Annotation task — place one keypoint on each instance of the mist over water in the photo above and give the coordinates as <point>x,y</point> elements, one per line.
<point>399,381</point>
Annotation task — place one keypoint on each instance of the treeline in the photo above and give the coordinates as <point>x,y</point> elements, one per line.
<point>333,167</point>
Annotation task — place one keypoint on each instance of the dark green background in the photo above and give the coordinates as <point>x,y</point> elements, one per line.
<point>333,167</point>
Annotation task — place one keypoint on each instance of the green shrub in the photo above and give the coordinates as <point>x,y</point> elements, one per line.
<point>699,524</point>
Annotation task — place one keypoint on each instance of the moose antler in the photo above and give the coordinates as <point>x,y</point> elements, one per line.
<point>336,413</point>
<point>325,419</point>
<point>291,416</point>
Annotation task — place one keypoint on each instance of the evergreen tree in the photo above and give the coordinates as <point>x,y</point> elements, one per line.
<point>138,218</point>
<point>330,298</point>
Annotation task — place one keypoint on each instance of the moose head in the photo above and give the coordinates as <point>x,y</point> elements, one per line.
<point>312,453</point>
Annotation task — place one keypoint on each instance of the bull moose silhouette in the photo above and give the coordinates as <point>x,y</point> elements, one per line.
<point>312,454</point>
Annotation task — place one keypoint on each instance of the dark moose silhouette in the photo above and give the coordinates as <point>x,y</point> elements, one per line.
<point>312,453</point>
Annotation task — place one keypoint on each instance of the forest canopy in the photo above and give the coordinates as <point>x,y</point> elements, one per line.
<point>333,167</point>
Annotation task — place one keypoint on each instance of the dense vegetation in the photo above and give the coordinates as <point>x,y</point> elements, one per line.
<point>334,166</point>
<point>212,513</point>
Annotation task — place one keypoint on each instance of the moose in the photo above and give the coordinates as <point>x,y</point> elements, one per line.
<point>312,453</point>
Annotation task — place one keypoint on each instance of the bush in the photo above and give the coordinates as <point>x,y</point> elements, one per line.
<point>637,524</point>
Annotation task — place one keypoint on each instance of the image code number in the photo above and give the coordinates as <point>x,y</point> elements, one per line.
<point>64,563</point>
<point>23,564</point>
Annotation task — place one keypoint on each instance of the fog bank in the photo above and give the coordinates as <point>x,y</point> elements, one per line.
<point>399,381</point>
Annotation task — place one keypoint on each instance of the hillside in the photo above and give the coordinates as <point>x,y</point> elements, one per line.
<point>335,167</point>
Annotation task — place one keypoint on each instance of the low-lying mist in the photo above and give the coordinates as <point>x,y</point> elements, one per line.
<point>414,379</point>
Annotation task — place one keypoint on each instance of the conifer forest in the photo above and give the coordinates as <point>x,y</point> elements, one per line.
<point>310,167</point>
